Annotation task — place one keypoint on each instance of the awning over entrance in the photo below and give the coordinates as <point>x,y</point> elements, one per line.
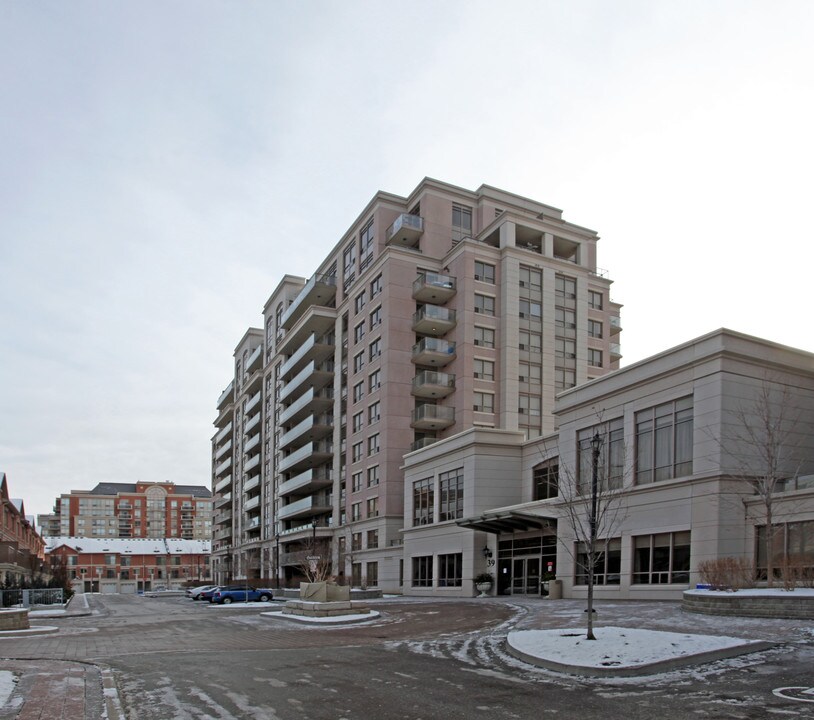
<point>507,521</point>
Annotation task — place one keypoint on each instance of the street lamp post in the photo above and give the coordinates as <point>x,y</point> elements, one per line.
<point>277,561</point>
<point>596,447</point>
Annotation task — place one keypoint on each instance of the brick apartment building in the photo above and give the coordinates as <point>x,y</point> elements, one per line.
<point>435,313</point>
<point>22,550</point>
<point>132,510</point>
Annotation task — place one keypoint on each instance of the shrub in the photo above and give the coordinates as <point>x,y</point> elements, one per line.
<point>727,573</point>
<point>796,571</point>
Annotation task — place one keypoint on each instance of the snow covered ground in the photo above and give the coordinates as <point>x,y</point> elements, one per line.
<point>6,686</point>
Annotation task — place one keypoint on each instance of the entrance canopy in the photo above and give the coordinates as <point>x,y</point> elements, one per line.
<point>507,521</point>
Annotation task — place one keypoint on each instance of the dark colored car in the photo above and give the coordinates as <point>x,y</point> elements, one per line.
<point>236,593</point>
<point>195,593</point>
<point>207,594</point>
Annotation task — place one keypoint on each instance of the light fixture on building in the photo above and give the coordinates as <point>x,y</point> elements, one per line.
<point>487,553</point>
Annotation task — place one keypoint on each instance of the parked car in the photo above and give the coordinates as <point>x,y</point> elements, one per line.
<point>195,592</point>
<point>236,593</point>
<point>207,594</point>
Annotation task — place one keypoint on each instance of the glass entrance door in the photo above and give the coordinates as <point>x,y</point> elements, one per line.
<point>526,576</point>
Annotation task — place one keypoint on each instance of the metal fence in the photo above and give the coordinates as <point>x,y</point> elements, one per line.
<point>29,598</point>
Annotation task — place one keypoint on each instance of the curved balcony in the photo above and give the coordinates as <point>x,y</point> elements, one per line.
<point>223,501</point>
<point>309,403</point>
<point>405,231</point>
<point>225,415</point>
<point>434,288</point>
<point>223,484</point>
<point>320,290</point>
<point>252,361</point>
<point>313,348</point>
<point>253,402</point>
<point>311,505</point>
<point>252,423</point>
<point>432,417</point>
<point>615,324</point>
<point>253,442</point>
<point>252,463</point>
<point>223,434</point>
<point>223,467</point>
<point>227,394</point>
<point>422,443</point>
<point>434,320</point>
<point>433,352</point>
<point>306,482</point>
<point>615,351</point>
<point>432,384</point>
<point>310,455</point>
<point>311,376</point>
<point>315,427</point>
<point>315,321</point>
<point>251,484</point>
<point>223,449</point>
<point>251,504</point>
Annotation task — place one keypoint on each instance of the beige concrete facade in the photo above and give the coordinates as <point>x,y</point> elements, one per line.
<point>700,509</point>
<point>434,314</point>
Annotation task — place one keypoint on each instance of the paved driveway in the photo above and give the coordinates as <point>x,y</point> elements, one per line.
<point>421,659</point>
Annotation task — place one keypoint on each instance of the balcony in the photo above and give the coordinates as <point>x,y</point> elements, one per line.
<point>224,416</point>
<point>615,351</point>
<point>222,450</point>
<point>315,427</point>
<point>227,394</point>
<point>405,231</point>
<point>223,501</point>
<point>252,423</point>
<point>434,288</point>
<point>310,455</point>
<point>251,504</point>
<point>422,443</point>
<point>307,482</point>
<point>252,443</point>
<point>432,417</point>
<point>311,505</point>
<point>433,320</point>
<point>313,401</point>
<point>433,352</point>
<point>223,434</point>
<point>252,363</point>
<point>311,376</point>
<point>615,324</point>
<point>223,484</point>
<point>431,384</point>
<point>312,349</point>
<point>253,402</point>
<point>315,321</point>
<point>251,484</point>
<point>223,467</point>
<point>252,464</point>
<point>320,290</point>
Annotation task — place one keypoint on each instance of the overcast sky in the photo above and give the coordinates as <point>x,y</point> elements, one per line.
<point>162,165</point>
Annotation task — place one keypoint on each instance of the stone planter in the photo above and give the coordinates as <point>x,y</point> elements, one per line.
<point>483,588</point>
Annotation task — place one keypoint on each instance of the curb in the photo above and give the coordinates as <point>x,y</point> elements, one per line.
<point>110,693</point>
<point>638,670</point>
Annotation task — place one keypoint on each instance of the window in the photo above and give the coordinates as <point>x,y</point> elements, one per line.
<point>373,444</point>
<point>661,559</point>
<point>373,507</point>
<point>375,286</point>
<point>375,380</point>
<point>529,405</point>
<point>349,264</point>
<point>423,500</point>
<point>376,317</point>
<point>451,491</point>
<point>594,357</point>
<point>359,302</point>
<point>611,463</point>
<point>355,541</point>
<point>358,332</point>
<point>595,300</point>
<point>356,511</point>
<point>664,441</point>
<point>530,309</point>
<point>373,476</point>
<point>356,574</point>
<point>792,546</point>
<point>564,378</point>
<point>358,361</point>
<point>484,402</point>
<point>461,222</point>
<point>422,571</point>
<point>484,337</point>
<point>374,413</point>
<point>546,478</point>
<point>450,570</point>
<point>356,482</point>
<point>530,342</point>
<point>357,421</point>
<point>375,349</point>
<point>607,563</point>
<point>530,278</point>
<point>484,272</point>
<point>564,318</point>
<point>564,348</point>
<point>372,570</point>
<point>484,304</point>
<point>356,452</point>
<point>484,370</point>
<point>366,240</point>
<point>358,391</point>
<point>530,373</point>
<point>372,539</point>
<point>565,287</point>
<point>594,329</point>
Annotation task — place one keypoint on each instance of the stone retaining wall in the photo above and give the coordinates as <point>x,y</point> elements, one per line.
<point>740,605</point>
<point>14,620</point>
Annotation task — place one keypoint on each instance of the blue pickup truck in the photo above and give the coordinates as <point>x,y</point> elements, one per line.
<point>237,593</point>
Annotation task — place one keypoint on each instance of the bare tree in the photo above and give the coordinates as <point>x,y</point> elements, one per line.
<point>763,445</point>
<point>591,502</point>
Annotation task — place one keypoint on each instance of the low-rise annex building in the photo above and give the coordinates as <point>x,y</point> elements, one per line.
<point>119,565</point>
<point>673,450</point>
